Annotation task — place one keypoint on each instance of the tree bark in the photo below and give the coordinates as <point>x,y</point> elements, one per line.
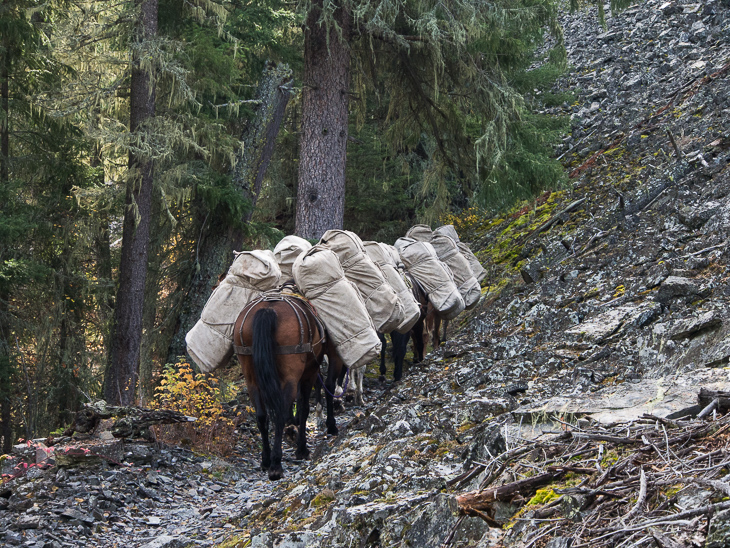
<point>216,245</point>
<point>5,370</point>
<point>6,385</point>
<point>121,376</point>
<point>323,142</point>
<point>5,120</point>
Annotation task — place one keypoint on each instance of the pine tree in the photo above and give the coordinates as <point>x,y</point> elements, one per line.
<point>439,65</point>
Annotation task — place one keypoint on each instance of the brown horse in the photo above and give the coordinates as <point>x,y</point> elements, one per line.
<point>280,344</point>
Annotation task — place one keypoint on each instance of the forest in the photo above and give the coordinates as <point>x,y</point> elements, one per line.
<point>141,142</point>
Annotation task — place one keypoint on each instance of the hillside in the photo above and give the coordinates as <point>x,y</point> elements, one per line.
<point>573,386</point>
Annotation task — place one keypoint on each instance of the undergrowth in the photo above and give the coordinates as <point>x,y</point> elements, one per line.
<point>200,397</point>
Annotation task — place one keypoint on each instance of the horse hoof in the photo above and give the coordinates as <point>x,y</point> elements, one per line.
<point>332,430</point>
<point>265,466</point>
<point>381,378</point>
<point>302,455</point>
<point>275,474</point>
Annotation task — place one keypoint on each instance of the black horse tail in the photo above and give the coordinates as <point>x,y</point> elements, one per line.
<point>264,362</point>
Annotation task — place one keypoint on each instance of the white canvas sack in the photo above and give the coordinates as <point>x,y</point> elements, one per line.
<point>409,311</point>
<point>436,279</point>
<point>447,230</point>
<point>380,298</point>
<point>210,341</point>
<point>421,233</point>
<point>449,253</point>
<point>321,279</point>
<point>476,267</point>
<point>287,251</point>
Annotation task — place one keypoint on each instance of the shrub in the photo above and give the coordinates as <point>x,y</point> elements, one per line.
<point>196,396</point>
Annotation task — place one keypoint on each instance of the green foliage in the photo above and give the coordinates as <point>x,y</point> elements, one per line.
<point>200,397</point>
<point>615,6</point>
<point>453,77</point>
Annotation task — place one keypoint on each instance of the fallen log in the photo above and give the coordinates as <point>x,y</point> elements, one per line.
<point>132,422</point>
<point>483,499</point>
<point>706,397</point>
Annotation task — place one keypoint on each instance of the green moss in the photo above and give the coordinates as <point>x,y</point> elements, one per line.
<point>322,499</point>
<point>543,496</point>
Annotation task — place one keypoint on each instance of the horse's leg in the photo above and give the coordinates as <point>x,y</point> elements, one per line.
<point>417,333</point>
<point>262,421</point>
<point>383,349</point>
<point>275,470</point>
<point>436,332</point>
<point>305,387</point>
<point>333,373</point>
<point>446,326</point>
<point>358,375</point>
<point>318,407</point>
<point>400,343</point>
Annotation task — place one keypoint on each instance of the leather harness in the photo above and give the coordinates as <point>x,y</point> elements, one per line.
<point>299,306</point>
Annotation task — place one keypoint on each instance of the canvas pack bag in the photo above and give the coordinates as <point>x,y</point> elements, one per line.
<point>380,299</point>
<point>422,262</point>
<point>409,311</point>
<point>421,233</point>
<point>287,251</point>
<point>321,279</point>
<point>476,267</point>
<point>448,230</point>
<point>449,253</point>
<point>210,341</point>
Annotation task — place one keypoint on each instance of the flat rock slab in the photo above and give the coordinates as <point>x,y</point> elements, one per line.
<point>666,398</point>
<point>167,541</point>
<point>686,328</point>
<point>600,327</point>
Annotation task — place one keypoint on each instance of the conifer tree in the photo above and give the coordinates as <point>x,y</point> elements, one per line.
<point>439,65</point>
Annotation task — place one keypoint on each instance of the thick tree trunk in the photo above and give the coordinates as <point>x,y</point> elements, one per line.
<point>4,116</point>
<point>5,371</point>
<point>151,341</point>
<point>215,248</point>
<point>121,376</point>
<point>323,142</point>
<point>102,244</point>
<point>6,428</point>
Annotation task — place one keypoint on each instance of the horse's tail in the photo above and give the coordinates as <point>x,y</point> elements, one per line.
<point>264,362</point>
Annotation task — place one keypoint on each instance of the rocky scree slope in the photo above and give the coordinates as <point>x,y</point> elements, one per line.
<point>615,307</point>
<point>577,374</point>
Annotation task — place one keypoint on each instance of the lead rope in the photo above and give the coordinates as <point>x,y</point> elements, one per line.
<point>344,388</point>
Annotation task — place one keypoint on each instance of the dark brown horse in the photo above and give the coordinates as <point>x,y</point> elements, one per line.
<point>280,344</point>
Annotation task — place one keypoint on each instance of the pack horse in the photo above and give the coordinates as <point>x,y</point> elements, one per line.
<point>280,343</point>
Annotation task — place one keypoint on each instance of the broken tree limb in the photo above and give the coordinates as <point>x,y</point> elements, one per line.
<point>555,218</point>
<point>677,150</point>
<point>482,500</point>
<point>707,398</point>
<point>131,421</point>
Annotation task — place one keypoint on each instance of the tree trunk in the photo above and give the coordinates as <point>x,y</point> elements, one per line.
<point>323,141</point>
<point>121,376</point>
<point>102,245</point>
<point>215,248</point>
<point>6,385</point>
<point>5,371</point>
<point>151,341</point>
<point>5,120</point>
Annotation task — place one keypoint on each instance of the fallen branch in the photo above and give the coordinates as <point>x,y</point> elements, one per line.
<point>482,500</point>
